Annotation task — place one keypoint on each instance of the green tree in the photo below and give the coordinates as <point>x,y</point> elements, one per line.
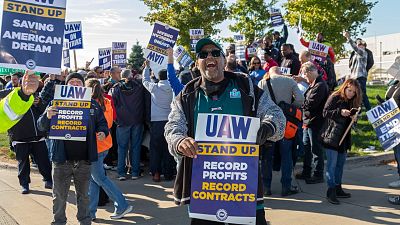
<point>136,57</point>
<point>187,14</point>
<point>330,17</point>
<point>251,18</point>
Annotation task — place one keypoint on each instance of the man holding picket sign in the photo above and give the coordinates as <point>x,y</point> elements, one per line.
<point>72,155</point>
<point>222,96</point>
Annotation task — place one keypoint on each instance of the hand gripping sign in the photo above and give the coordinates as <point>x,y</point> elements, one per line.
<point>225,172</point>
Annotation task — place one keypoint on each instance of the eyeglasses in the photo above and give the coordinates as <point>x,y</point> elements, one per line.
<point>204,54</point>
<point>255,63</point>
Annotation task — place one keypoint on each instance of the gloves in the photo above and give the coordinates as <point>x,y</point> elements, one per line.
<point>266,131</point>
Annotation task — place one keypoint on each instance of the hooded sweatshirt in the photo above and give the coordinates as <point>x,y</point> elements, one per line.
<point>161,96</point>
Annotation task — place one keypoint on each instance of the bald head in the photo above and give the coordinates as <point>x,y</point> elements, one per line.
<point>304,56</point>
<point>275,71</point>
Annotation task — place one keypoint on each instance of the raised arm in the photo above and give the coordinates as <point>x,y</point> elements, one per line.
<point>173,80</point>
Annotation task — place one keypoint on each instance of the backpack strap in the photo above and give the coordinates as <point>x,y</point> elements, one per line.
<point>271,92</point>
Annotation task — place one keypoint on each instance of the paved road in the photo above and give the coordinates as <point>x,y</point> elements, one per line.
<point>153,202</point>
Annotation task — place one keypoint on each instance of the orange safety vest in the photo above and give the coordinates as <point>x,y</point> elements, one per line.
<point>108,114</point>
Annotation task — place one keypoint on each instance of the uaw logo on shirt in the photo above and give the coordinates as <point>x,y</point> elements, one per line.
<point>234,93</point>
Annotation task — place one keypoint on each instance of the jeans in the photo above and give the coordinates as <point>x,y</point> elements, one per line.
<point>99,179</point>
<point>312,147</point>
<point>396,150</point>
<point>298,145</point>
<point>285,149</point>
<point>134,135</point>
<point>62,174</point>
<point>39,151</point>
<point>334,167</point>
<point>48,144</point>
<point>363,85</point>
<point>160,159</point>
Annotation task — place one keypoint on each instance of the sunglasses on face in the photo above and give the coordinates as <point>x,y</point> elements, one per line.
<point>204,54</point>
<point>255,63</point>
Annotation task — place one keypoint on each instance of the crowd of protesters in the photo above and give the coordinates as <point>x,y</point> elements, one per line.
<point>311,115</point>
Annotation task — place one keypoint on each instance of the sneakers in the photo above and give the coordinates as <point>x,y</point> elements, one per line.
<point>135,177</point>
<point>107,167</point>
<point>121,178</point>
<point>48,185</point>
<point>25,189</point>
<point>395,184</point>
<point>116,215</point>
<point>395,200</point>
<point>315,180</point>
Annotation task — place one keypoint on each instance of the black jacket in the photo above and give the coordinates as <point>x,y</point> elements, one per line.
<point>335,124</point>
<point>292,62</point>
<point>314,101</point>
<point>26,129</point>
<point>129,103</point>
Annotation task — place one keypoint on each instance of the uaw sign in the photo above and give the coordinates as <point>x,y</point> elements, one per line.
<point>66,58</point>
<point>276,17</point>
<point>318,51</point>
<point>385,119</point>
<point>182,57</point>
<point>105,58</point>
<point>118,57</point>
<point>195,36</point>
<point>225,172</point>
<point>73,35</point>
<point>72,119</point>
<point>162,38</point>
<point>32,35</point>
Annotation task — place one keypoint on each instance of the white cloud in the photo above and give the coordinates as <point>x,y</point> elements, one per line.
<point>104,18</point>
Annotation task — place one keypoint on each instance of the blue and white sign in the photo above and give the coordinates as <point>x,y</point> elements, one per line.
<point>238,37</point>
<point>183,57</point>
<point>119,54</point>
<point>240,52</point>
<point>105,58</point>
<point>73,35</point>
<point>276,18</point>
<point>32,35</point>
<point>385,119</point>
<point>195,36</point>
<point>66,58</point>
<point>162,38</point>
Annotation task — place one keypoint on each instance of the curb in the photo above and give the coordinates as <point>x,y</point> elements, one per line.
<point>358,161</point>
<point>368,160</point>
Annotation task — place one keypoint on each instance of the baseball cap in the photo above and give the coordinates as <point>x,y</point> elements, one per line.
<point>206,41</point>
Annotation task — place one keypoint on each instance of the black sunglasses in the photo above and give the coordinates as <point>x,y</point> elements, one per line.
<point>204,54</point>
<point>255,63</point>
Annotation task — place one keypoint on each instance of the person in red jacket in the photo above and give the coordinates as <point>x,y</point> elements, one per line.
<point>320,39</point>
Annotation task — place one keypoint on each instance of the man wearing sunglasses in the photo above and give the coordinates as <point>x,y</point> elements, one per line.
<point>219,92</point>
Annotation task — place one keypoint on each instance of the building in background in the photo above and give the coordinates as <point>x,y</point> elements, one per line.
<point>385,49</point>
